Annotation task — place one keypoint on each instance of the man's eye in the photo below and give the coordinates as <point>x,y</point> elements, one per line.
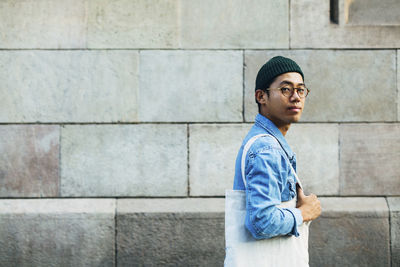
<point>300,90</point>
<point>285,89</point>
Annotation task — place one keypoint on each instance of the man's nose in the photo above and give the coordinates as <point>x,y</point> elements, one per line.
<point>295,96</point>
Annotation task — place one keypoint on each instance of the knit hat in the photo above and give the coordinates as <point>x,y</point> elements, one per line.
<point>275,67</point>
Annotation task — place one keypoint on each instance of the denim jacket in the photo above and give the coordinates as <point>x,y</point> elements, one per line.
<point>270,181</point>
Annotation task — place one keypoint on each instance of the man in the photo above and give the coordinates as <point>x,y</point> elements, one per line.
<point>269,163</point>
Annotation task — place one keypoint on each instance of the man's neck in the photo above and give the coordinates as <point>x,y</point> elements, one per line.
<point>283,127</point>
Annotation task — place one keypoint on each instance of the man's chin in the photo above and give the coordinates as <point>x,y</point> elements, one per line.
<point>295,119</point>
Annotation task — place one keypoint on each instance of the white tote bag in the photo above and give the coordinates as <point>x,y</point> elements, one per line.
<point>242,249</point>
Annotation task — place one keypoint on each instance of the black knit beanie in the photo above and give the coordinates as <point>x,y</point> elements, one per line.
<point>275,67</point>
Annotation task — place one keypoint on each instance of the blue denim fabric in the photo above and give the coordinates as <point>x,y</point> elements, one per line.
<point>270,181</point>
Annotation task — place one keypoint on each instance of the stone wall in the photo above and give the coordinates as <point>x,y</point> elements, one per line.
<point>120,122</point>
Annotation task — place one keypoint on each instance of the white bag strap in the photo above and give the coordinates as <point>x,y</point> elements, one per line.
<point>246,149</point>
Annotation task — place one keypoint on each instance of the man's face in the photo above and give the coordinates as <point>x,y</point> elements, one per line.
<point>280,109</point>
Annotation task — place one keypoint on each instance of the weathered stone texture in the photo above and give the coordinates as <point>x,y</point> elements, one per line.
<point>68,86</point>
<point>189,232</point>
<point>372,12</point>
<point>190,86</point>
<point>394,206</point>
<point>172,205</point>
<point>235,24</point>
<point>212,153</point>
<point>311,27</point>
<point>317,150</point>
<point>369,157</point>
<point>350,232</point>
<point>177,232</point>
<point>398,85</point>
<point>29,160</point>
<point>124,160</point>
<point>345,85</point>
<point>42,24</point>
<point>133,24</point>
<point>62,232</point>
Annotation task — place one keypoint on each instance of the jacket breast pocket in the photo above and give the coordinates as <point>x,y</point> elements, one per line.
<point>289,191</point>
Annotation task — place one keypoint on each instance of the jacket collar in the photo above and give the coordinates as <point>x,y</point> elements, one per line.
<point>270,127</point>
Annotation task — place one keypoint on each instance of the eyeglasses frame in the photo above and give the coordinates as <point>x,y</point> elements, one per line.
<point>294,89</point>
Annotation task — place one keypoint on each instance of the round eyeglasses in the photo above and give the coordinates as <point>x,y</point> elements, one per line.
<point>288,91</point>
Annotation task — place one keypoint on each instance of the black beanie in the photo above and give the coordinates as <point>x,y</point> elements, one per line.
<point>275,67</point>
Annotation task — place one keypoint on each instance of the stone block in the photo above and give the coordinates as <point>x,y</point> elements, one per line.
<point>29,160</point>
<point>369,157</point>
<point>212,154</point>
<point>42,24</point>
<point>394,207</point>
<point>317,150</point>
<point>235,24</point>
<point>124,160</point>
<point>372,12</point>
<point>133,24</point>
<point>170,232</point>
<point>57,232</point>
<point>351,232</point>
<point>344,85</point>
<point>187,232</point>
<point>311,27</point>
<point>68,86</point>
<point>398,86</point>
<point>198,86</point>
<point>365,12</point>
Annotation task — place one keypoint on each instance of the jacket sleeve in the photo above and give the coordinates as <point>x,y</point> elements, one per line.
<point>266,176</point>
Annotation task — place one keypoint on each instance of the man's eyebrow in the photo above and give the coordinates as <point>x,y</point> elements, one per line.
<point>289,82</point>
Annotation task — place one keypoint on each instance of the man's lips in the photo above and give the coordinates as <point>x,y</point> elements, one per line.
<point>294,108</point>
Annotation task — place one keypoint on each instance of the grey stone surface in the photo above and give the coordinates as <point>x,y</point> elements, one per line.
<point>29,160</point>
<point>59,232</point>
<point>189,232</point>
<point>212,153</point>
<point>345,85</point>
<point>398,86</point>
<point>178,232</point>
<point>372,12</point>
<point>127,206</point>
<point>42,24</point>
<point>369,157</point>
<point>124,160</point>
<point>394,206</point>
<point>133,24</point>
<point>350,232</point>
<point>317,150</point>
<point>235,24</point>
<point>68,86</point>
<point>198,86</point>
<point>311,27</point>
<point>357,207</point>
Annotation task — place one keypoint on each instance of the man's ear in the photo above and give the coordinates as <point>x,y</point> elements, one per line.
<point>259,95</point>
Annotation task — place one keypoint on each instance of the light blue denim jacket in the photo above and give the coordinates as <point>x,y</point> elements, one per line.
<point>270,181</point>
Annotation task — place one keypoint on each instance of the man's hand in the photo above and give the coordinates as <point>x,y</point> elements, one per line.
<point>309,206</point>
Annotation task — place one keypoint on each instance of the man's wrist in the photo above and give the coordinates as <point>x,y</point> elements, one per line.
<point>298,220</point>
<point>303,214</point>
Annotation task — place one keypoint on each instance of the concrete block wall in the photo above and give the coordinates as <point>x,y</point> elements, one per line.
<point>120,122</point>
